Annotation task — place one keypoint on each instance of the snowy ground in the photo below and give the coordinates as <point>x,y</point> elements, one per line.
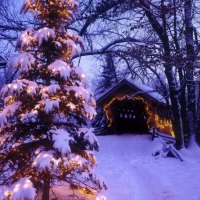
<point>131,172</point>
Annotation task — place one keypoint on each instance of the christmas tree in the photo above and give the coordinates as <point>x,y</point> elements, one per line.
<point>44,135</point>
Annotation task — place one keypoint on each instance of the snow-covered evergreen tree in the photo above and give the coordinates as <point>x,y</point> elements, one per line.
<point>108,76</point>
<point>43,123</point>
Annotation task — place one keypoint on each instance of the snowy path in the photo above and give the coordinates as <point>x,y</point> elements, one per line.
<point>131,173</point>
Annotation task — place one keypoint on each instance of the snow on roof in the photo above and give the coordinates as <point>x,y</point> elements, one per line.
<point>150,91</point>
<point>143,89</point>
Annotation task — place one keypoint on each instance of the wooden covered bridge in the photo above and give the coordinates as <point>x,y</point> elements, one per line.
<point>132,108</point>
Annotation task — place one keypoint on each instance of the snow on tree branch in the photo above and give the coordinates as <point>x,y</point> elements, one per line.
<point>62,140</point>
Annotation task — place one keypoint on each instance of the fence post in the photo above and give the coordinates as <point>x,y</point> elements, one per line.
<point>153,133</point>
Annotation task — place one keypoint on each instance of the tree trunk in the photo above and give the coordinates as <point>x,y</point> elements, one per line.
<point>198,117</point>
<point>175,106</point>
<point>183,102</point>
<point>46,189</point>
<point>190,67</point>
<point>161,31</point>
<point>183,105</point>
<point>174,96</point>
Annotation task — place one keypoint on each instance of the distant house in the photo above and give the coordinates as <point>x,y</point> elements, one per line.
<point>132,108</point>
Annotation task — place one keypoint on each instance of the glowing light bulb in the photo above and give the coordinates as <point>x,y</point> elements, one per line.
<point>6,193</point>
<point>71,105</point>
<point>15,86</point>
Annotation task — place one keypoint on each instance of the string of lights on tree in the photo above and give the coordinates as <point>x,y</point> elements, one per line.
<point>44,135</point>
